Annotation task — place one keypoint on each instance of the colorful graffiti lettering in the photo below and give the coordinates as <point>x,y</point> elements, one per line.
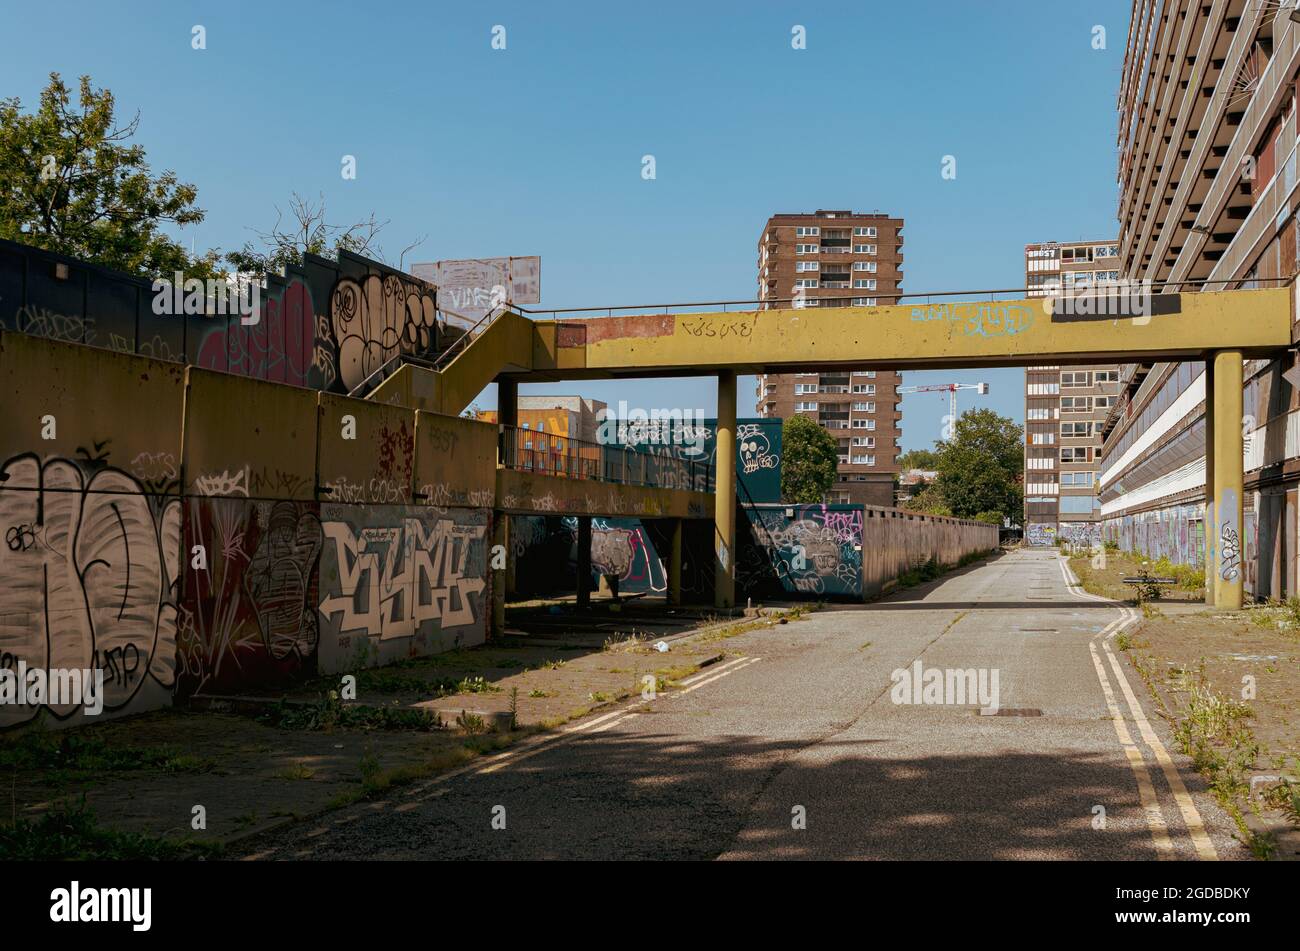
<point>400,574</point>
<point>1040,534</point>
<point>817,550</point>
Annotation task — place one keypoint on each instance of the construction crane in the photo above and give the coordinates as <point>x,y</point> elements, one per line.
<point>949,388</point>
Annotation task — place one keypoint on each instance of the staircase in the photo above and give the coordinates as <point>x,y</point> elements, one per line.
<point>447,381</point>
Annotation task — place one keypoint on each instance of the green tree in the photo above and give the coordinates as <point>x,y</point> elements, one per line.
<point>980,467</point>
<point>927,500</point>
<point>808,457</point>
<point>926,459</point>
<point>73,183</point>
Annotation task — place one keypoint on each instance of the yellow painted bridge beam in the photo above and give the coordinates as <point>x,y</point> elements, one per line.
<point>1123,327</point>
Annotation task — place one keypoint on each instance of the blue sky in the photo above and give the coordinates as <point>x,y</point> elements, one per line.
<point>536,149</point>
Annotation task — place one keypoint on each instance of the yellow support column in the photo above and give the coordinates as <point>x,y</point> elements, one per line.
<point>1211,536</point>
<point>675,565</point>
<point>724,495</point>
<point>1228,479</point>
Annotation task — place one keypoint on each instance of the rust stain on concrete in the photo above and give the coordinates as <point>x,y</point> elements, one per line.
<point>619,328</point>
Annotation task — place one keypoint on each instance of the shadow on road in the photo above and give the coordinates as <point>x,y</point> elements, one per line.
<point>657,796</point>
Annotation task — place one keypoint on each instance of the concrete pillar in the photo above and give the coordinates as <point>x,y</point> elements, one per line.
<point>510,559</point>
<point>507,415</point>
<point>675,565</point>
<point>1211,534</point>
<point>508,402</point>
<point>724,495</point>
<point>500,536</point>
<point>584,560</point>
<point>1228,478</point>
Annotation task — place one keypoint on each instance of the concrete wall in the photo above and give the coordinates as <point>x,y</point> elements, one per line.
<point>844,552</point>
<point>849,552</point>
<point>1176,533</point>
<point>90,517</point>
<point>525,493</point>
<point>324,324</point>
<point>896,541</point>
<point>190,531</point>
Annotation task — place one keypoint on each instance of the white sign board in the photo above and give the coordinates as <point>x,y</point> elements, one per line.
<point>473,286</point>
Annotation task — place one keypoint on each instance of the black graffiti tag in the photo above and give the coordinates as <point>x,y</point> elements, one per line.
<point>703,327</point>
<point>21,537</point>
<point>1230,545</point>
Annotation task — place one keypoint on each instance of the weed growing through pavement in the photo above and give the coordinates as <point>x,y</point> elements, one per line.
<point>68,831</point>
<point>69,755</point>
<point>330,713</point>
<point>471,723</point>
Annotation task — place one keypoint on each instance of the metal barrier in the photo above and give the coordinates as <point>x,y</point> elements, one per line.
<point>531,450</point>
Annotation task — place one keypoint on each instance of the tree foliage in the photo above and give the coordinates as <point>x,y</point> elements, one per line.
<point>979,470</point>
<point>927,500</point>
<point>926,459</point>
<point>808,457</point>
<point>75,184</point>
<point>981,466</point>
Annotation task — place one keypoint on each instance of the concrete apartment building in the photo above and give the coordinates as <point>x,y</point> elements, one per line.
<point>831,258</point>
<point>1207,174</point>
<point>1066,407</point>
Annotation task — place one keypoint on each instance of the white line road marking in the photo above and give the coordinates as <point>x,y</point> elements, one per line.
<point>589,727</point>
<point>710,671</point>
<point>748,661</point>
<point>1186,805</point>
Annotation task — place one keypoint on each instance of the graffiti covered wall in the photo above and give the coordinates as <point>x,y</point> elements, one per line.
<point>758,452</point>
<point>204,552</point>
<point>1080,533</point>
<point>326,325</point>
<point>90,522</point>
<point>248,618</point>
<point>545,552</point>
<point>801,550</point>
<point>400,581</point>
<point>90,580</point>
<point>1176,533</point>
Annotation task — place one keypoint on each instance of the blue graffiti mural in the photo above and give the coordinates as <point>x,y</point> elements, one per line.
<point>801,550</point>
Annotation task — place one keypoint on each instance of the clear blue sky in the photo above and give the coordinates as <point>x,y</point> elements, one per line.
<point>537,149</point>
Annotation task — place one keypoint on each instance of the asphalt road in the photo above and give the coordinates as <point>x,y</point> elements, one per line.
<point>802,721</point>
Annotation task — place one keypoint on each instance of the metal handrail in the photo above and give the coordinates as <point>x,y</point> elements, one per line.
<point>1203,282</point>
<point>388,369</point>
<point>471,334</point>
<point>616,463</point>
